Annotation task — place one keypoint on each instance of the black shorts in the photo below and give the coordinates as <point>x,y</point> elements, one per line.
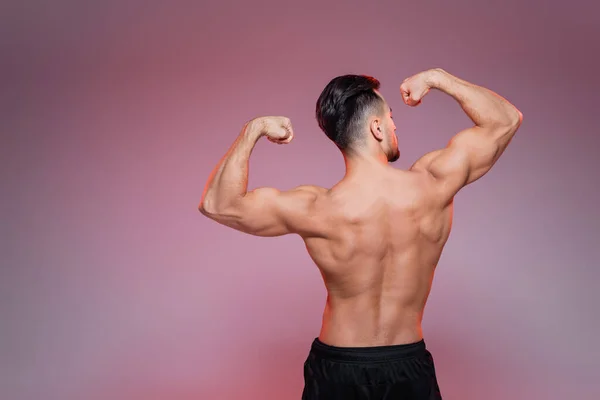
<point>399,372</point>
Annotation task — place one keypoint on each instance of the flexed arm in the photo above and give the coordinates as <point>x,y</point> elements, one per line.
<point>472,152</point>
<point>263,211</point>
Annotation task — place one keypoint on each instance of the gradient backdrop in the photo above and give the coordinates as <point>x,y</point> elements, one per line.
<point>113,114</point>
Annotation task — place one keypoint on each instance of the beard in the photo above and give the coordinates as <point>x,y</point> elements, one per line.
<point>394,149</point>
<point>394,156</point>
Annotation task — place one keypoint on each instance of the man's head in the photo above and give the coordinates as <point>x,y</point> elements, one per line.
<point>355,116</point>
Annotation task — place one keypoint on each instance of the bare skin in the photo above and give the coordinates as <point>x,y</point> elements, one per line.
<point>378,234</point>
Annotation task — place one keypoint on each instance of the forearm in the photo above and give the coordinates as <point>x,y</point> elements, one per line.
<point>228,182</point>
<point>485,108</point>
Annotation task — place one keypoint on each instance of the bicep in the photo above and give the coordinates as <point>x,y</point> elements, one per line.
<point>270,212</point>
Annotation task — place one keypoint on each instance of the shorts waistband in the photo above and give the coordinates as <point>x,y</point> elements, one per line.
<point>368,354</point>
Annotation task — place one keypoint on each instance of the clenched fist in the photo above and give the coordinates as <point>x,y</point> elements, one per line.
<point>276,129</point>
<point>414,88</point>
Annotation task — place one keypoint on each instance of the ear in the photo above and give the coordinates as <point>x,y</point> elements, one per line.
<point>376,128</point>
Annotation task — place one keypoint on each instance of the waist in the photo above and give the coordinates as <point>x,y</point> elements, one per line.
<point>368,354</point>
<point>357,327</point>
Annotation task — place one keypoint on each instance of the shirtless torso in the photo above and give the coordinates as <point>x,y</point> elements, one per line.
<point>382,239</point>
<point>378,234</point>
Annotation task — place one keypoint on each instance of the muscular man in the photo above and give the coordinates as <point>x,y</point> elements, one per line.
<point>377,235</point>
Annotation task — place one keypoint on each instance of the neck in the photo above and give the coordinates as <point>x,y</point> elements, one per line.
<point>360,159</point>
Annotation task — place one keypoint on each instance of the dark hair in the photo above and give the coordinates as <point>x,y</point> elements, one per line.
<point>343,104</point>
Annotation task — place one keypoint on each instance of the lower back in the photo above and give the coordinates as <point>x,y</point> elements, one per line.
<point>359,323</point>
<point>377,310</point>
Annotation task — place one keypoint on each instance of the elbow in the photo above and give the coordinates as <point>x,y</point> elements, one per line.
<point>510,123</point>
<point>211,210</point>
<point>515,118</point>
<point>203,210</point>
<point>507,126</point>
<point>206,208</point>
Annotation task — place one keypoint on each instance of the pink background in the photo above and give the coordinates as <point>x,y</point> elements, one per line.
<point>112,115</point>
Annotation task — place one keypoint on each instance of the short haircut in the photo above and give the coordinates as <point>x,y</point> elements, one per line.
<point>343,105</point>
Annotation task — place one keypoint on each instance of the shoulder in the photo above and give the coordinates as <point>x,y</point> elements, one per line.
<point>295,200</point>
<point>431,189</point>
<point>311,189</point>
<point>309,192</point>
<point>304,210</point>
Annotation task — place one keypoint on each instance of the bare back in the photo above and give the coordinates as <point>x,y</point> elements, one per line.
<point>378,234</point>
<point>385,237</point>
